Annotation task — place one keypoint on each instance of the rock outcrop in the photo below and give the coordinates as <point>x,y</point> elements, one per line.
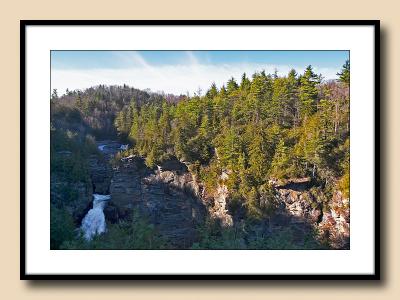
<point>301,204</point>
<point>217,207</point>
<point>169,199</point>
<point>335,224</point>
<point>100,174</point>
<point>331,218</point>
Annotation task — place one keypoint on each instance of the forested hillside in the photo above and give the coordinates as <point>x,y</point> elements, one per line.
<point>262,128</point>
<point>255,136</point>
<point>98,106</point>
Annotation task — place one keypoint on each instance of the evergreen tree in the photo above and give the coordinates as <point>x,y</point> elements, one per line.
<point>258,164</point>
<point>245,84</point>
<point>344,74</point>
<point>54,95</point>
<point>232,86</point>
<point>292,109</point>
<point>280,160</point>
<point>212,92</point>
<point>308,92</point>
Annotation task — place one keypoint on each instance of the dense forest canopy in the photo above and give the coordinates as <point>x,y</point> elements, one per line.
<point>260,129</point>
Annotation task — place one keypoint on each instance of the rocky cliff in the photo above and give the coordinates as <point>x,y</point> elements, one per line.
<point>329,217</point>
<point>217,202</point>
<point>335,224</point>
<point>172,199</point>
<point>167,197</point>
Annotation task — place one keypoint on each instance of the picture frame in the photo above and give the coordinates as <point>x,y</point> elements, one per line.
<point>29,144</point>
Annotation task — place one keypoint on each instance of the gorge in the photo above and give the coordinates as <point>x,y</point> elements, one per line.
<point>176,203</point>
<point>260,164</point>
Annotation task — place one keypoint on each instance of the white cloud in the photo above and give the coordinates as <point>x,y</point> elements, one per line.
<point>192,58</point>
<point>176,79</point>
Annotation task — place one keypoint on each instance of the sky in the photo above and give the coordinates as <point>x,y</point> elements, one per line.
<point>181,72</point>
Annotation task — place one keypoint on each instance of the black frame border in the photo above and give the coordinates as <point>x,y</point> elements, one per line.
<point>377,139</point>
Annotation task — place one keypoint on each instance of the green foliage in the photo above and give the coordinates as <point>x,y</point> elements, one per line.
<point>212,92</point>
<point>209,176</point>
<point>61,227</point>
<point>308,92</point>
<point>136,233</point>
<point>212,236</point>
<point>124,120</point>
<point>107,110</point>
<point>285,240</point>
<point>69,152</point>
<point>231,86</point>
<point>344,74</point>
<point>151,159</point>
<point>246,236</point>
<point>258,161</point>
<point>345,185</point>
<point>344,182</point>
<point>54,95</point>
<point>280,161</point>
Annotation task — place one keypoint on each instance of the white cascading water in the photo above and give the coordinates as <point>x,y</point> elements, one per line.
<point>95,222</point>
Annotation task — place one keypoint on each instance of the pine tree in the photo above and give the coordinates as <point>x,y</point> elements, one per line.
<point>54,95</point>
<point>212,92</point>
<point>344,74</point>
<point>135,129</point>
<point>292,110</point>
<point>245,84</point>
<point>258,164</point>
<point>231,86</point>
<point>222,92</point>
<point>204,129</point>
<point>230,147</point>
<point>79,102</point>
<point>165,123</point>
<point>278,165</point>
<point>308,92</point>
<point>279,101</point>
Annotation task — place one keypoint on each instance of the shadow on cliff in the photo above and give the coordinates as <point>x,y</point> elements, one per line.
<point>166,199</point>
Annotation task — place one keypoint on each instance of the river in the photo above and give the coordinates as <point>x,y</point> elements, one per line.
<point>94,222</point>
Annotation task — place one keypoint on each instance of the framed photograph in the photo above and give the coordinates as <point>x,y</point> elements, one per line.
<point>200,150</point>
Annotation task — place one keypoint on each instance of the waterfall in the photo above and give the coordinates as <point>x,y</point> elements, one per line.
<point>94,222</point>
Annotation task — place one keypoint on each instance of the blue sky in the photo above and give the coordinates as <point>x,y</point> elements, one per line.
<point>180,71</point>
